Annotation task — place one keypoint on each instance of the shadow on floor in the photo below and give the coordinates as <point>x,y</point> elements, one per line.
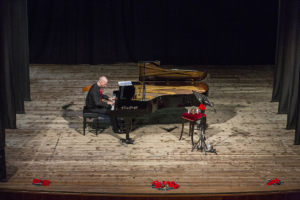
<point>168,119</point>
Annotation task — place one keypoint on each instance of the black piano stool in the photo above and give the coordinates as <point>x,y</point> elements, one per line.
<point>102,124</point>
<point>90,115</point>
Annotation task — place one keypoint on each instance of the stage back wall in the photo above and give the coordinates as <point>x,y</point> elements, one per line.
<point>175,32</point>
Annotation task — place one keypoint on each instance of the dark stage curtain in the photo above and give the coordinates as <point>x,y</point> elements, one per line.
<point>297,133</point>
<point>14,68</point>
<point>287,64</point>
<point>20,54</point>
<point>14,62</point>
<point>7,86</point>
<point>15,57</point>
<point>175,32</point>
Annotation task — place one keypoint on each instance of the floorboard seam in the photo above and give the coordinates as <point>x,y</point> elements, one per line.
<point>55,147</point>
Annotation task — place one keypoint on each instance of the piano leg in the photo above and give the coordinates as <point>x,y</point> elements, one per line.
<point>128,128</point>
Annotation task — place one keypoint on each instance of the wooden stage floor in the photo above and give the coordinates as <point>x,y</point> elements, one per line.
<point>250,137</point>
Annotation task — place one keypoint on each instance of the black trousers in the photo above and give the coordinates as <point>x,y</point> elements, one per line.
<point>106,111</point>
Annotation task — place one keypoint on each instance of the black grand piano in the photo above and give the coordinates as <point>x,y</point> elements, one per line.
<point>136,99</point>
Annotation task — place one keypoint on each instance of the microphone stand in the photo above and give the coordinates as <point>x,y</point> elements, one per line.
<point>202,138</point>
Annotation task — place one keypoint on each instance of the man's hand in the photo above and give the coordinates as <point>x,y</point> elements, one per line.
<point>111,103</point>
<point>112,99</point>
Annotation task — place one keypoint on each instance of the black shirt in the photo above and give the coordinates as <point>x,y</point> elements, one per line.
<point>93,99</point>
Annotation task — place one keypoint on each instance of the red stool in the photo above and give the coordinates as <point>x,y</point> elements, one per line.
<point>192,118</point>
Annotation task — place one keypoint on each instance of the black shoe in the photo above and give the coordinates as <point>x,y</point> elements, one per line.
<point>122,130</point>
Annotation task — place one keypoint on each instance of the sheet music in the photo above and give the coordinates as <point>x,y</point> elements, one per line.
<point>124,83</point>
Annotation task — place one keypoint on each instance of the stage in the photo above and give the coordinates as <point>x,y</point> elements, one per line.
<point>250,138</point>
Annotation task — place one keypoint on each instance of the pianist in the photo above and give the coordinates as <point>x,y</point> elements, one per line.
<point>95,104</point>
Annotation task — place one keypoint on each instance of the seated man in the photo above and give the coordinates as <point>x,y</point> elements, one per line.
<point>95,104</point>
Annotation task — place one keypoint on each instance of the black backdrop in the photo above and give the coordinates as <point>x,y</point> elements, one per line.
<point>14,60</point>
<point>176,32</point>
<point>286,87</point>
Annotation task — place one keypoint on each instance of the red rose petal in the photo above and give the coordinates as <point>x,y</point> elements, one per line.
<point>45,182</point>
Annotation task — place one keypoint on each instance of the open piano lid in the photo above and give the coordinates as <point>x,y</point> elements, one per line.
<point>153,72</point>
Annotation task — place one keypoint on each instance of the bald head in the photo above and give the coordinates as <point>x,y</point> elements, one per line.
<point>102,81</point>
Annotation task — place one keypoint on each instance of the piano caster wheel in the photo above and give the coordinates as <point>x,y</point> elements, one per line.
<point>125,142</point>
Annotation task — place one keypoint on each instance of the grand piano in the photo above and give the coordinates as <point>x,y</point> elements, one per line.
<point>156,89</point>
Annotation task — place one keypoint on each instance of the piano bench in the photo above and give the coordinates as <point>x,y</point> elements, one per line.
<point>89,115</point>
<point>96,122</point>
<point>192,118</point>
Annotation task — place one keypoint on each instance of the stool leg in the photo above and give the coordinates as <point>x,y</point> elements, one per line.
<point>190,128</point>
<point>84,120</point>
<point>192,132</point>
<point>182,129</point>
